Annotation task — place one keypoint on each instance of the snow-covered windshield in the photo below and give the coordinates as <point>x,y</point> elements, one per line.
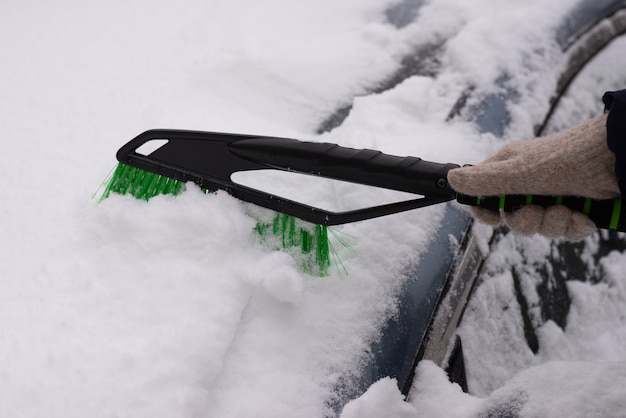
<point>175,307</point>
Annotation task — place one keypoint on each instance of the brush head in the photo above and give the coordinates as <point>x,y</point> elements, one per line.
<point>127,180</point>
<point>309,243</point>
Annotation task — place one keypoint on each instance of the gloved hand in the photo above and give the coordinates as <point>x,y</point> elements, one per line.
<point>575,162</point>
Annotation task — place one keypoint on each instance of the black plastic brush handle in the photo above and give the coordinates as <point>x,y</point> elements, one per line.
<point>363,166</point>
<point>210,158</point>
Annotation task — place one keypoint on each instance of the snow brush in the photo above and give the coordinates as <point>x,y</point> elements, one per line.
<point>209,159</point>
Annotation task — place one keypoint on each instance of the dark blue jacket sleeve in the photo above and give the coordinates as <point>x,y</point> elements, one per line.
<point>615,104</point>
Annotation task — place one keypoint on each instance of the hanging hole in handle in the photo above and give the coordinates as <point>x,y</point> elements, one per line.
<point>150,146</point>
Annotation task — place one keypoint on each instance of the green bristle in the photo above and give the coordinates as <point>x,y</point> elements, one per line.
<point>322,247</point>
<point>139,183</point>
<point>291,232</point>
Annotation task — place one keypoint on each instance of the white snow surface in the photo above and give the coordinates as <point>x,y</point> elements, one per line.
<point>174,307</point>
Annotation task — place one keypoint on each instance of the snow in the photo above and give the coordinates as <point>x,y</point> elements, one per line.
<point>175,307</point>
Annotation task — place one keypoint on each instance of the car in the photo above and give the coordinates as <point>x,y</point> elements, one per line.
<point>434,299</point>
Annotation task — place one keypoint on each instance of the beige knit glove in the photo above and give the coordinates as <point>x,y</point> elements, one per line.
<point>575,162</point>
